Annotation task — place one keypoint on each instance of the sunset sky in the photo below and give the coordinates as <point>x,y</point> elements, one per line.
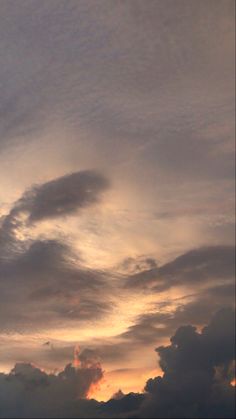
<point>116,183</point>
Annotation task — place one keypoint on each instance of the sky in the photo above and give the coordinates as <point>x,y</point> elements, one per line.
<point>117,177</point>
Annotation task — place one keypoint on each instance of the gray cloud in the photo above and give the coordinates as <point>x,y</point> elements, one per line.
<point>197,266</point>
<point>56,198</point>
<point>197,369</point>
<point>46,286</point>
<point>197,372</point>
<point>63,196</point>
<point>43,282</point>
<point>117,71</point>
<point>144,91</point>
<point>195,309</point>
<point>29,392</point>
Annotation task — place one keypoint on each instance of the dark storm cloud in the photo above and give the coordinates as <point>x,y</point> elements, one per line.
<point>197,369</point>
<point>195,267</point>
<point>29,392</point>
<point>197,372</point>
<point>46,285</point>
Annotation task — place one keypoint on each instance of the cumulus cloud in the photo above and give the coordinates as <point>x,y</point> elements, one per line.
<point>137,89</point>
<point>197,371</point>
<point>29,392</point>
<point>198,368</point>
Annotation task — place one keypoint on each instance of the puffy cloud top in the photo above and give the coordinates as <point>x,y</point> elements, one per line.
<point>197,372</point>
<point>197,368</point>
<point>27,391</point>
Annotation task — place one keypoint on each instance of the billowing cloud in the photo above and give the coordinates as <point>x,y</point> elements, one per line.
<point>29,392</point>
<point>144,93</point>
<point>198,368</point>
<point>197,372</point>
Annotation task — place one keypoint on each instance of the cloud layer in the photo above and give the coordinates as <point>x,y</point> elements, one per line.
<point>143,92</point>
<point>44,282</point>
<point>29,392</point>
<point>197,266</point>
<point>197,371</point>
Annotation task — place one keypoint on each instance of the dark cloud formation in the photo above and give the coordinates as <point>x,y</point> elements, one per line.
<point>197,371</point>
<point>160,323</point>
<point>47,285</point>
<point>138,89</point>
<point>198,368</point>
<point>56,198</point>
<point>137,265</point>
<point>198,266</point>
<point>43,281</point>
<point>209,274</point>
<point>63,196</point>
<point>29,392</point>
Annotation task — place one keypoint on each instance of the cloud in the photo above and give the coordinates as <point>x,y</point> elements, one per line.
<point>205,278</point>
<point>47,285</point>
<point>136,89</point>
<point>194,267</point>
<point>196,309</point>
<point>197,371</point>
<point>57,198</point>
<point>43,281</point>
<point>63,196</point>
<point>29,392</point>
<point>155,67</point>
